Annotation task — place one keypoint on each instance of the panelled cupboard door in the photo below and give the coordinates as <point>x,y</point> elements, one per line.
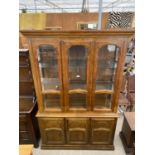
<point>52,130</point>
<point>102,130</point>
<point>105,73</point>
<point>77,60</point>
<point>46,59</point>
<point>77,130</point>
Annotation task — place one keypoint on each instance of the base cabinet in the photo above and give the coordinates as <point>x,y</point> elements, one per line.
<point>77,133</point>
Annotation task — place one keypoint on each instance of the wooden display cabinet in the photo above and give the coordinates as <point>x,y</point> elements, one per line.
<point>77,77</point>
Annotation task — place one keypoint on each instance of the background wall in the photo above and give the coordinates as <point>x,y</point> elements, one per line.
<point>30,21</point>
<point>68,21</point>
<point>65,21</point>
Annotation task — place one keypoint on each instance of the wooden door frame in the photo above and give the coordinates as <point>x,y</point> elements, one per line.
<point>34,44</point>
<point>65,45</point>
<point>118,73</point>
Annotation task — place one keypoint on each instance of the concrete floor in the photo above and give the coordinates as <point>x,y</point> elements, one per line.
<point>119,150</point>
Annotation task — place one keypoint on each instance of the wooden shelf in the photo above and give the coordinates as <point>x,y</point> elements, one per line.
<point>77,114</point>
<point>104,91</point>
<point>51,92</point>
<point>78,91</point>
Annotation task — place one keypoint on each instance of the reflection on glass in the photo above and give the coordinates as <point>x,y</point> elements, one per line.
<point>48,64</point>
<point>103,100</point>
<point>77,67</point>
<point>77,100</point>
<point>106,66</point>
<point>52,100</point>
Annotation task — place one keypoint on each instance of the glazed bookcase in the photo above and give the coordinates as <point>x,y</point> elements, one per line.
<point>77,77</point>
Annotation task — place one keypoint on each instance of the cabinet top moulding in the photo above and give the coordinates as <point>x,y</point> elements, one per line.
<point>77,33</point>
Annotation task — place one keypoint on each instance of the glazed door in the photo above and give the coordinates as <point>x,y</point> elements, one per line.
<point>77,74</point>
<point>105,74</point>
<point>47,73</point>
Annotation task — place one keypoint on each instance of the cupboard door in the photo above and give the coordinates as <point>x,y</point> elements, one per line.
<point>52,130</point>
<point>106,59</point>
<point>77,74</point>
<point>48,69</point>
<point>77,130</point>
<point>102,130</point>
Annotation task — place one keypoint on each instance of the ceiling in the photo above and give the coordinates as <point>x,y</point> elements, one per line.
<point>76,5</point>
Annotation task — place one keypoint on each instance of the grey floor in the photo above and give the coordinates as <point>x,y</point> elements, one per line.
<point>119,150</point>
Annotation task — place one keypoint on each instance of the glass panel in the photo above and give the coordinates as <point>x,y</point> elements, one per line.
<point>103,100</point>
<point>77,100</point>
<point>106,66</point>
<point>52,100</point>
<point>77,67</point>
<point>48,64</point>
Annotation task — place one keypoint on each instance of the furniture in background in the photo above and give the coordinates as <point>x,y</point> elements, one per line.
<point>127,93</point>
<point>25,149</point>
<point>28,124</point>
<point>77,77</point>
<point>127,134</point>
<point>124,104</point>
<point>133,152</point>
<point>131,91</point>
